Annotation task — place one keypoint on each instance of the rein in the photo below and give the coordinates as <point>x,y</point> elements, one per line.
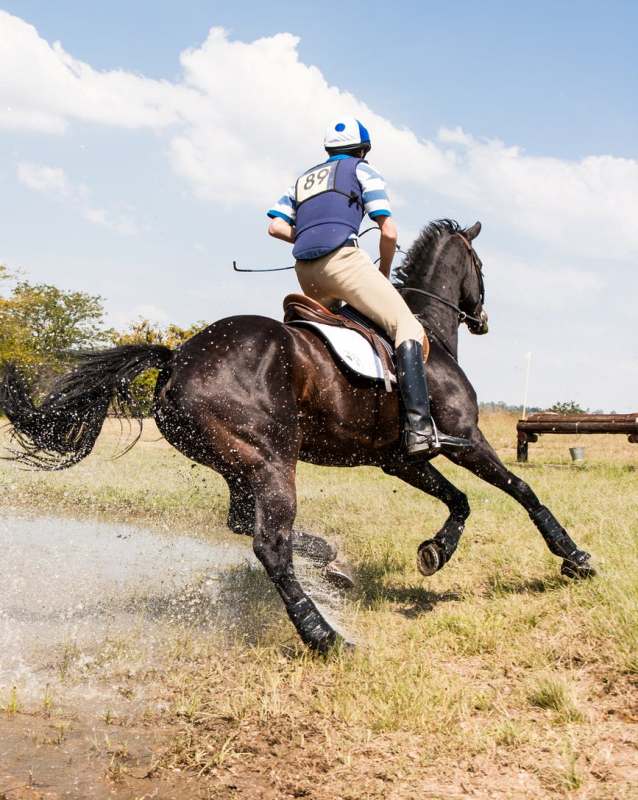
<point>463,315</point>
<point>432,337</point>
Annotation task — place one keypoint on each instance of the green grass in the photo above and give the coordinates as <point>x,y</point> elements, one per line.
<point>496,660</point>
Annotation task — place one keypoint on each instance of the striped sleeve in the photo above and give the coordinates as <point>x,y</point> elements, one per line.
<point>375,197</point>
<point>284,207</point>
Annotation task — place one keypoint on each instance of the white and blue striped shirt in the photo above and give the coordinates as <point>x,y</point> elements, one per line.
<point>375,198</point>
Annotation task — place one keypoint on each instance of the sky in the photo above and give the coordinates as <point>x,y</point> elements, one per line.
<point>141,143</point>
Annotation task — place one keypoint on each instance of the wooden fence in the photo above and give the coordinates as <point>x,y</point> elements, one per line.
<point>530,429</point>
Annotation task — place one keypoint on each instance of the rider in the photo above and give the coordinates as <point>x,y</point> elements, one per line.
<point>321,215</point>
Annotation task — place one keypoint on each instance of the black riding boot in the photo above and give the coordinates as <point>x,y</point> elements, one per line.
<point>420,436</point>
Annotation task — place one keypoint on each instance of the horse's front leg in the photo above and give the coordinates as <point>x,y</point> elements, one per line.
<point>275,507</point>
<point>435,553</point>
<point>483,462</point>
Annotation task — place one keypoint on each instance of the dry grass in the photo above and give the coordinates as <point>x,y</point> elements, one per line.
<point>495,677</point>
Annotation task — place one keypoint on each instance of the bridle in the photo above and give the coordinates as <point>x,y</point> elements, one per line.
<point>463,315</point>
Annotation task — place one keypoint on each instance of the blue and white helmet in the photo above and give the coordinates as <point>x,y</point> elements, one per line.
<point>345,135</point>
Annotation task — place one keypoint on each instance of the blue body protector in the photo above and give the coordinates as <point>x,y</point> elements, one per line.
<point>329,206</point>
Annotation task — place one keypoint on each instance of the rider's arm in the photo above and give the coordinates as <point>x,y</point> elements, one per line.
<point>282,217</point>
<point>377,207</point>
<point>387,243</point>
<point>281,229</point>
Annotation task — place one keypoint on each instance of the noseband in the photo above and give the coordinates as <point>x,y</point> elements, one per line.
<point>463,315</point>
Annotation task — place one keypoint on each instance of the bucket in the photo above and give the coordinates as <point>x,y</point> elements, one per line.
<point>577,454</point>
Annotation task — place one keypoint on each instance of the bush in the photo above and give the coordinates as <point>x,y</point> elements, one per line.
<point>568,407</point>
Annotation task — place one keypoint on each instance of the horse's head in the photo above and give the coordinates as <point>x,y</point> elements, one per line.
<point>441,278</point>
<point>472,299</point>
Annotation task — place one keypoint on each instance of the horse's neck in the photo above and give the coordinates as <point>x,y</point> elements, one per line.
<point>443,323</point>
<point>442,279</point>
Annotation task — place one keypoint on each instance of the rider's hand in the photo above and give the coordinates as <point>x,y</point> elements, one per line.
<point>280,229</point>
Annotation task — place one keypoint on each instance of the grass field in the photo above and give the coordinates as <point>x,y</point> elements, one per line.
<point>494,678</point>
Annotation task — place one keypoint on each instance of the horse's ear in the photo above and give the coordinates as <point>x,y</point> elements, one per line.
<point>474,231</point>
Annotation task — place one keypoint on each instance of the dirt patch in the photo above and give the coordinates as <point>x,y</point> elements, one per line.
<point>50,759</point>
<point>320,757</point>
<point>47,759</point>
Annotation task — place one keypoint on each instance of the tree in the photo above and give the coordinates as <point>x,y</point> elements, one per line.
<point>12,338</point>
<point>568,407</point>
<point>145,332</point>
<point>40,323</point>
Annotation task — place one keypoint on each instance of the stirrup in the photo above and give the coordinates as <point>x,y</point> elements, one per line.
<point>429,444</point>
<point>457,442</point>
<point>432,445</point>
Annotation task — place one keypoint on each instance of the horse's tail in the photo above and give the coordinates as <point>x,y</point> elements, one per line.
<point>62,430</point>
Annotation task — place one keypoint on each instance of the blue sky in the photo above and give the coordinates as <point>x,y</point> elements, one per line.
<point>122,182</point>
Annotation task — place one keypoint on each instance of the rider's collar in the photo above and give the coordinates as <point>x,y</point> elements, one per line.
<point>339,156</point>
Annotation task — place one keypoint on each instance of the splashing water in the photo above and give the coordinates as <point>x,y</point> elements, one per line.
<point>68,585</point>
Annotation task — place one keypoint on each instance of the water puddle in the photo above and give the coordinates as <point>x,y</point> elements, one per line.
<point>69,586</point>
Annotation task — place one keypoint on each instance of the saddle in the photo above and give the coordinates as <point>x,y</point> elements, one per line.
<point>376,363</point>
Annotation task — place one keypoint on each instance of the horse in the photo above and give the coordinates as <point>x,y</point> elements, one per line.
<point>249,396</point>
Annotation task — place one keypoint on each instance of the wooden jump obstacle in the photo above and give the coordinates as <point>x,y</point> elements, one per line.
<point>530,429</point>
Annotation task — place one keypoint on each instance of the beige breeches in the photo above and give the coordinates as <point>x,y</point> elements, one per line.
<point>348,274</point>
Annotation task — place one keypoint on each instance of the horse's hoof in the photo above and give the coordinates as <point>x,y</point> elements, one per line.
<point>313,547</point>
<point>339,575</point>
<point>429,558</point>
<point>330,643</point>
<point>578,570</point>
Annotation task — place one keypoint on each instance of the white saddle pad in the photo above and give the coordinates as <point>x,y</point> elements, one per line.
<point>350,347</point>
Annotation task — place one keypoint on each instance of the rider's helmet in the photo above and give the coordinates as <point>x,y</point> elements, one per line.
<point>346,135</point>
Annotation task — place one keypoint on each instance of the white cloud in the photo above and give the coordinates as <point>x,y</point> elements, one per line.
<point>44,88</point>
<point>95,215</point>
<point>245,116</point>
<point>53,181</point>
<point>99,216</point>
<point>48,180</point>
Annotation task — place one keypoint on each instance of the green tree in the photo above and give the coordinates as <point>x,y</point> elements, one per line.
<point>146,332</point>
<point>568,407</point>
<point>12,338</point>
<point>40,323</point>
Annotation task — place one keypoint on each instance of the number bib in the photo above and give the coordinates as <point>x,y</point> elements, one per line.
<point>315,181</point>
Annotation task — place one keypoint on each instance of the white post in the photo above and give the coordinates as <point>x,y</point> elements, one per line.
<point>528,358</point>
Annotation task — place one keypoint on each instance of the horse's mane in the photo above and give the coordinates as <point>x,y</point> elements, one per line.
<point>423,251</point>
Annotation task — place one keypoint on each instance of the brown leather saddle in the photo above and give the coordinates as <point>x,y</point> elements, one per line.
<point>300,308</point>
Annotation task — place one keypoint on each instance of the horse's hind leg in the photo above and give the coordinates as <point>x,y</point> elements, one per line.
<point>483,462</point>
<point>275,507</point>
<point>241,508</point>
<point>435,553</point>
<point>323,554</point>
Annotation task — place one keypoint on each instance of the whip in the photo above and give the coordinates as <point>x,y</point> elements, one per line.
<point>283,269</point>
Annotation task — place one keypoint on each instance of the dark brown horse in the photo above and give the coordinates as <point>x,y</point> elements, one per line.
<point>250,396</point>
